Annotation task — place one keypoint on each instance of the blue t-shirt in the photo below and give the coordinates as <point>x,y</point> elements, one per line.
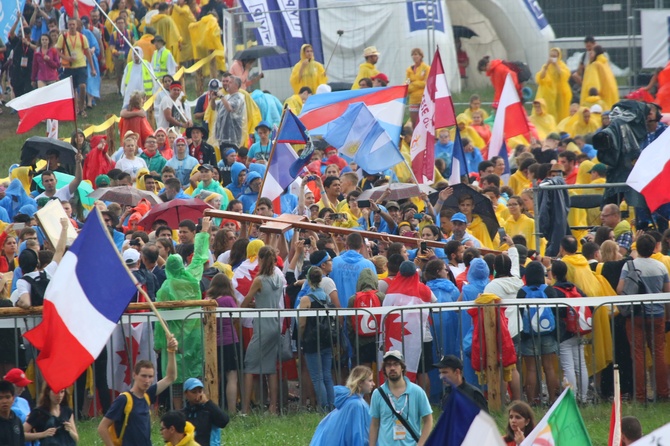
<point>138,430</point>
<point>413,405</point>
<point>21,408</point>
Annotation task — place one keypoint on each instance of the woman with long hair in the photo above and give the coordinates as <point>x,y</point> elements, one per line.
<point>223,241</point>
<point>9,251</point>
<point>266,292</point>
<point>520,423</point>
<point>519,223</point>
<point>318,350</point>
<point>221,290</point>
<point>238,253</point>
<point>349,423</point>
<point>45,63</point>
<point>52,421</point>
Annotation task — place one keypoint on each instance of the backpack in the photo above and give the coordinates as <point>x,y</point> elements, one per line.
<point>579,320</point>
<point>366,324</point>
<point>537,319</point>
<point>521,69</point>
<point>38,286</point>
<point>117,439</point>
<point>632,284</point>
<point>321,331</point>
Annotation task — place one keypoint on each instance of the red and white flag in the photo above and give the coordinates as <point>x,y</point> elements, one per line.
<point>436,111</point>
<point>128,344</point>
<point>242,278</point>
<point>84,6</point>
<point>615,420</point>
<point>510,120</point>
<point>55,101</point>
<point>651,174</point>
<point>403,329</point>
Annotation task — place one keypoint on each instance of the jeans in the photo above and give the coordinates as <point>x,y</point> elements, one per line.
<point>319,366</point>
<point>648,331</point>
<point>574,366</point>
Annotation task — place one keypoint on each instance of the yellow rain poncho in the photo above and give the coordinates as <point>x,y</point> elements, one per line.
<point>554,87</point>
<point>467,131</point>
<point>365,69</point>
<point>544,123</point>
<point>183,17</point>
<point>294,102</point>
<point>468,113</point>
<point>113,15</point>
<point>518,182</point>
<point>590,101</point>
<point>525,226</point>
<point>478,229</point>
<point>23,173</point>
<point>598,74</point>
<point>593,285</point>
<point>584,177</point>
<point>578,125</point>
<point>167,29</point>
<point>206,37</point>
<point>416,80</point>
<point>312,75</point>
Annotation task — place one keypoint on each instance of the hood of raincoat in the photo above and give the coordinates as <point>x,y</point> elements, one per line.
<point>583,175</point>
<point>252,249</point>
<point>479,272</point>
<point>342,395</point>
<point>16,198</point>
<point>367,280</point>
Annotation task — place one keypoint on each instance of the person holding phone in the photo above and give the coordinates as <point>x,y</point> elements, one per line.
<point>307,72</point>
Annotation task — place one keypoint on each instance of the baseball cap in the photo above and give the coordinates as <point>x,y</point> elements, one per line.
<point>449,361</point>
<point>263,124</point>
<point>407,268</point>
<point>555,136</point>
<point>158,39</point>
<point>215,85</point>
<point>394,354</point>
<point>382,77</point>
<point>131,256</point>
<point>599,168</point>
<point>17,377</point>
<point>192,383</point>
<point>392,204</point>
<point>205,167</point>
<point>596,108</point>
<point>459,216</point>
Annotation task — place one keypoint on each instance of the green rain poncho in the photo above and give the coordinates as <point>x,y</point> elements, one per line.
<point>183,283</point>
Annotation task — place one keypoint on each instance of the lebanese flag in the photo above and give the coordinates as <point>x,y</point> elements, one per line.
<point>651,174</point>
<point>84,6</point>
<point>510,120</point>
<point>55,101</point>
<point>615,420</point>
<point>403,330</point>
<point>436,111</point>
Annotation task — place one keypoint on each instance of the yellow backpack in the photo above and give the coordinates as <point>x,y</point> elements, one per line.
<point>118,439</point>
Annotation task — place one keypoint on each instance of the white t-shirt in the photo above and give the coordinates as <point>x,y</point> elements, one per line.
<point>63,194</point>
<point>131,166</point>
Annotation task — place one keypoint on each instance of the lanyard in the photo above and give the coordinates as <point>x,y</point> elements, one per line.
<point>402,409</point>
<point>73,42</point>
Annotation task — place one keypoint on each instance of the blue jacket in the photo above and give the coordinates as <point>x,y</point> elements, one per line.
<point>347,425</point>
<point>473,159</point>
<point>15,200</point>
<point>346,269</point>
<point>235,171</point>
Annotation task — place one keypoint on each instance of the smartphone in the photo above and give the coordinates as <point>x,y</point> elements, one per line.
<point>307,242</point>
<point>418,216</point>
<point>18,226</point>
<point>364,204</point>
<point>336,216</point>
<point>501,233</point>
<point>424,247</point>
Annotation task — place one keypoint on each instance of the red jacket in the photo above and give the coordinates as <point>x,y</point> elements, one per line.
<point>507,356</point>
<point>498,73</point>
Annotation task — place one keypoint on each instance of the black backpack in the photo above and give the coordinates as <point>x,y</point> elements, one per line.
<point>521,69</point>
<point>321,331</point>
<point>38,285</point>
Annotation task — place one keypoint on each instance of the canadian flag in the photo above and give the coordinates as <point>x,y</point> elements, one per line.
<point>511,119</point>
<point>55,101</point>
<point>84,6</point>
<point>436,111</point>
<point>128,344</point>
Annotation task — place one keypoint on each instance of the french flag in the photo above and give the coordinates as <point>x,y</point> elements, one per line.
<point>55,101</point>
<point>464,423</point>
<point>651,173</point>
<point>387,105</point>
<point>510,120</point>
<point>436,111</point>
<point>82,305</point>
<point>278,174</point>
<point>459,165</point>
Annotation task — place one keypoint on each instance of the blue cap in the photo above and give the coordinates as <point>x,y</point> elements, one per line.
<point>459,216</point>
<point>263,124</point>
<point>192,383</point>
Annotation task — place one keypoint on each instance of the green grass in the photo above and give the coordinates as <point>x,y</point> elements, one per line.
<point>297,429</point>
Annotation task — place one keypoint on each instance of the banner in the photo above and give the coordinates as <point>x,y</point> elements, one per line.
<point>655,26</point>
<point>288,24</point>
<point>8,13</point>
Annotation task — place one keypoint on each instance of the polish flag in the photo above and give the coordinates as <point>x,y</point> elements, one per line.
<point>84,6</point>
<point>510,120</point>
<point>651,174</point>
<point>436,111</point>
<point>55,101</point>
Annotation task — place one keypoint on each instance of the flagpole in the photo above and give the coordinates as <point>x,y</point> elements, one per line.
<point>272,152</point>
<point>144,62</point>
<point>74,103</point>
<point>20,18</point>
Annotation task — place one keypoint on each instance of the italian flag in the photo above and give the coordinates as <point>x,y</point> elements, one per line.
<point>561,426</point>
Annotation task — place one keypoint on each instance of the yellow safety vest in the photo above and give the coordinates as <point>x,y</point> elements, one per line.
<point>160,65</point>
<point>147,80</point>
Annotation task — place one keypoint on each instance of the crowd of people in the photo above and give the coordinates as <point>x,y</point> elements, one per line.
<point>219,154</point>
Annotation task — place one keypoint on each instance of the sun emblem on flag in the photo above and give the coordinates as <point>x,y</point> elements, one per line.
<point>351,149</point>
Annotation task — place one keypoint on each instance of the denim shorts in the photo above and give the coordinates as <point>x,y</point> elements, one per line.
<point>79,75</point>
<point>538,345</point>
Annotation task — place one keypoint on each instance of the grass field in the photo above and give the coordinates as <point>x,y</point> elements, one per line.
<point>297,429</point>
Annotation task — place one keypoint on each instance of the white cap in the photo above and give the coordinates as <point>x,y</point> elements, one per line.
<point>131,256</point>
<point>596,108</point>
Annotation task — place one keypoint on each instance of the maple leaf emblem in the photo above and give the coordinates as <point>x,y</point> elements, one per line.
<point>131,346</point>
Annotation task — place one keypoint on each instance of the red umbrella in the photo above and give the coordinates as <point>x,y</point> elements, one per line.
<point>175,211</point>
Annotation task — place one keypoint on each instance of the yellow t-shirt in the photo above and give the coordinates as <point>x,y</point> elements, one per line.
<point>76,46</point>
